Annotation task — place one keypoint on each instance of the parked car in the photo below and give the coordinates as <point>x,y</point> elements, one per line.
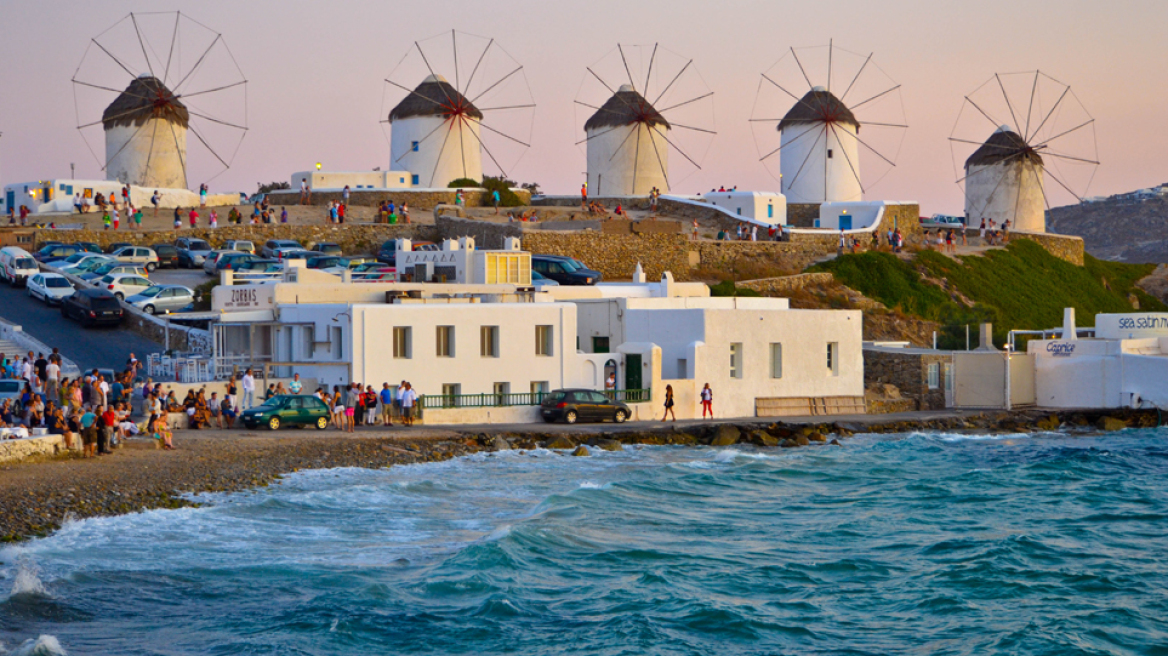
<point>113,266</point>
<point>162,298</point>
<point>563,271</point>
<point>167,255</point>
<point>138,255</point>
<point>92,307</point>
<point>295,254</point>
<point>388,252</point>
<point>213,258</point>
<point>89,247</point>
<point>75,260</point>
<point>124,285</point>
<point>261,265</point>
<point>56,252</point>
<point>49,287</point>
<point>231,260</point>
<point>85,266</point>
<point>326,247</point>
<point>10,390</point>
<point>539,281</point>
<point>273,245</point>
<point>327,261</point>
<point>16,265</point>
<point>341,264</point>
<point>192,252</point>
<point>288,410</point>
<point>241,245</point>
<point>116,246</point>
<point>572,405</point>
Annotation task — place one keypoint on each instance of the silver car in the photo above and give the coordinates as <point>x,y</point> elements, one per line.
<point>212,258</point>
<point>162,299</point>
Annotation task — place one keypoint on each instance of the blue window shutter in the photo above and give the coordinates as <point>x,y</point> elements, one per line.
<point>414,147</point>
<point>414,179</point>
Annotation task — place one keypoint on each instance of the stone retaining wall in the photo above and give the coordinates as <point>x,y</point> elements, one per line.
<point>353,237</point>
<point>802,215</point>
<point>909,373</point>
<point>786,285</point>
<point>487,234</point>
<point>419,199</point>
<point>46,445</point>
<point>627,202</point>
<point>1064,247</point>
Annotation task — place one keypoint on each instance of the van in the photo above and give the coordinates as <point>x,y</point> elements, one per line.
<point>16,265</point>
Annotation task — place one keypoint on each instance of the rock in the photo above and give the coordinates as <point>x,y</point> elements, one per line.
<point>500,444</point>
<point>1050,423</point>
<point>787,444</point>
<point>581,451</point>
<point>763,439</point>
<point>610,445</point>
<point>802,440</point>
<point>1111,424</point>
<point>725,436</point>
<point>816,437</point>
<point>834,443</point>
<point>683,439</point>
<point>560,442</point>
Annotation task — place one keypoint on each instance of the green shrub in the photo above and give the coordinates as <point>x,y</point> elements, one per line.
<point>507,198</point>
<point>463,183</point>
<point>728,288</point>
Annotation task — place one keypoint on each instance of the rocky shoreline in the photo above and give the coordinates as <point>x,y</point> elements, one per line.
<point>37,497</point>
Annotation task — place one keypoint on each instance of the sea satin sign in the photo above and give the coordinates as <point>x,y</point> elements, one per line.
<point>1131,325</point>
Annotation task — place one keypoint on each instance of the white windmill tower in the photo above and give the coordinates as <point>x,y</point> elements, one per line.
<point>440,131</point>
<point>817,139</point>
<point>1005,178</point>
<point>185,86</point>
<point>631,128</point>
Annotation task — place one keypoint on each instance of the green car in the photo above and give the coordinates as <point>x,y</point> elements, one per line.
<point>288,410</point>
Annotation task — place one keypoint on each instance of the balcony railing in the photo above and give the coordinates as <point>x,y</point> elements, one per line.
<point>490,400</point>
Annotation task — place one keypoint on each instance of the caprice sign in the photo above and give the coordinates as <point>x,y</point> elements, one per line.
<point>1060,349</point>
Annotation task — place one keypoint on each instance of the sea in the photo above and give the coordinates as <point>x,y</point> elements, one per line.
<point>922,543</point>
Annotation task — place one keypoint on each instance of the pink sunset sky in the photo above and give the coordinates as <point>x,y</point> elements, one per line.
<point>315,74</point>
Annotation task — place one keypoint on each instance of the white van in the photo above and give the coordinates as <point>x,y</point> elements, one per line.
<point>16,265</point>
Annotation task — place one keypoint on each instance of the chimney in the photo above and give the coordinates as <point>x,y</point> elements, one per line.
<point>1069,331</point>
<point>986,338</point>
<point>638,274</point>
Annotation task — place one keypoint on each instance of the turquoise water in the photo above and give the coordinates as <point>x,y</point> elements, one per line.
<point>930,544</point>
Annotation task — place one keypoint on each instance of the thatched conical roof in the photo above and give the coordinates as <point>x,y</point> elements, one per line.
<point>1004,144</point>
<point>146,98</point>
<point>819,106</point>
<point>626,107</point>
<point>434,97</point>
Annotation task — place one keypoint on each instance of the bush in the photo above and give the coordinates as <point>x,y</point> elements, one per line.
<point>507,198</point>
<point>463,183</point>
<point>728,288</point>
<point>203,295</point>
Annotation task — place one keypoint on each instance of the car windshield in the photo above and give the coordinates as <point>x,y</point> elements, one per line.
<point>151,292</point>
<point>199,245</point>
<point>56,282</point>
<point>9,387</point>
<point>105,267</point>
<point>26,263</point>
<point>92,263</point>
<point>568,265</point>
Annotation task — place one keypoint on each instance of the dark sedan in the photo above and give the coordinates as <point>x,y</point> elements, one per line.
<point>564,270</point>
<point>91,307</point>
<point>573,405</point>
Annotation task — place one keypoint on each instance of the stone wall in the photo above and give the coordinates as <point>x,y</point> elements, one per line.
<point>802,215</point>
<point>627,202</point>
<point>46,445</point>
<point>616,256</point>
<point>418,199</point>
<point>353,237</point>
<point>786,285</point>
<point>910,373</point>
<point>623,227</point>
<point>1064,247</point>
<point>487,234</point>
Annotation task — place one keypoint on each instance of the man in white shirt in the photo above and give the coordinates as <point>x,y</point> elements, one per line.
<point>53,373</point>
<point>248,390</point>
<point>295,386</point>
<point>407,398</point>
<point>104,388</point>
<point>26,372</point>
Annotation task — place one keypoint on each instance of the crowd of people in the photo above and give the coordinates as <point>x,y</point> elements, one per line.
<point>388,212</point>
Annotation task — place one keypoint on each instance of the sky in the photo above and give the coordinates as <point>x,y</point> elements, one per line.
<point>315,74</point>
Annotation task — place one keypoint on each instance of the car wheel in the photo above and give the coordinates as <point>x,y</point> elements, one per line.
<point>120,296</point>
<point>570,417</point>
<point>149,309</point>
<point>620,417</point>
<point>150,267</point>
<point>321,423</point>
<point>274,423</point>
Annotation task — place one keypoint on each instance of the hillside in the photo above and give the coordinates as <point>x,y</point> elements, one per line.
<point>1116,229</point>
<point>1020,287</point>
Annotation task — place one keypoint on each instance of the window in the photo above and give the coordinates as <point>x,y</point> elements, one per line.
<point>414,179</point>
<point>833,358</point>
<point>501,391</point>
<point>540,387</point>
<point>829,153</point>
<point>401,342</point>
<point>335,343</point>
<point>738,211</point>
<point>414,146</point>
<point>445,340</point>
<point>682,368</point>
<point>600,345</point>
<point>770,211</point>
<point>947,371</point>
<point>451,391</point>
<point>489,341</point>
<point>934,375</point>
<point>776,360</point>
<point>543,340</point>
<point>736,360</point>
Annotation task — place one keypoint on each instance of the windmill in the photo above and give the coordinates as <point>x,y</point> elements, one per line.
<point>642,102</point>
<point>169,77</point>
<point>1038,129</point>
<point>439,130</point>
<point>808,113</point>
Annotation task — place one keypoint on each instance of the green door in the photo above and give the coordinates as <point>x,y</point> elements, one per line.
<point>633,371</point>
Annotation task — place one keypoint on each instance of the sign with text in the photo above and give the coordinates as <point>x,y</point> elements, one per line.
<point>243,297</point>
<point>1131,325</point>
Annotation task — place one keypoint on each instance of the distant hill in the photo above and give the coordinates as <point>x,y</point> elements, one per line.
<point>1124,228</point>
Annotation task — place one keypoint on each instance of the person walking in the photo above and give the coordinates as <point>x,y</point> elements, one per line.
<point>386,405</point>
<point>303,191</point>
<point>668,403</point>
<point>707,401</point>
<point>248,384</point>
<point>203,195</point>
<point>405,212</point>
<point>156,200</point>
<point>345,195</point>
<point>408,399</point>
<point>495,200</point>
<point>584,196</point>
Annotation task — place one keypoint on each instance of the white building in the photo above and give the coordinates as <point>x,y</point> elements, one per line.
<point>338,180</point>
<point>146,136</point>
<point>1125,364</point>
<point>56,195</point>
<point>763,206</point>
<point>458,261</point>
<point>861,215</point>
<point>760,357</point>
<point>1004,182</point>
<point>435,134</point>
<point>819,150</point>
<point>628,154</point>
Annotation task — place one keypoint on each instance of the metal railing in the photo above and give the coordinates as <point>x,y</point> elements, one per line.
<point>491,400</point>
